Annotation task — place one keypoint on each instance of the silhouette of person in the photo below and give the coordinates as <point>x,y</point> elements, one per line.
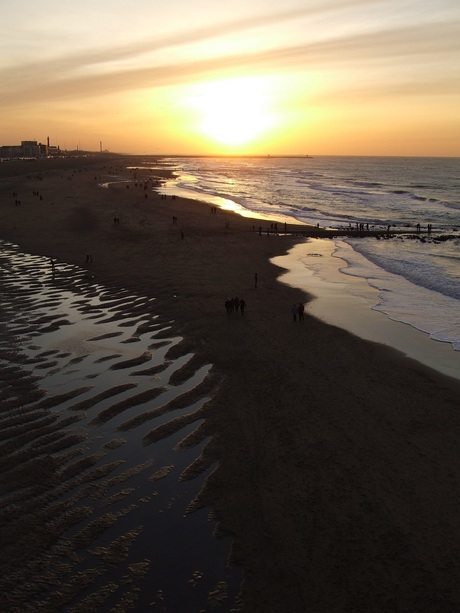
<point>300,310</point>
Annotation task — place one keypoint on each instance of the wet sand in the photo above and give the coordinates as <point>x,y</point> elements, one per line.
<point>338,458</point>
<point>104,457</point>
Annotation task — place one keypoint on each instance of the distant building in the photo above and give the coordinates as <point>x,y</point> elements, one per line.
<point>11,151</point>
<point>29,149</point>
<point>53,152</point>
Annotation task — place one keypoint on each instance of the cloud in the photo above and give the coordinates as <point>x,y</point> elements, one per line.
<point>69,62</point>
<point>64,77</point>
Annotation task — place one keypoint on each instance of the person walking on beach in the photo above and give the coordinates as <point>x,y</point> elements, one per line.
<point>255,280</point>
<point>242,305</point>
<point>300,310</point>
<point>294,311</point>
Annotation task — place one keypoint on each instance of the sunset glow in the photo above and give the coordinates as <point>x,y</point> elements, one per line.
<point>363,77</point>
<point>234,111</point>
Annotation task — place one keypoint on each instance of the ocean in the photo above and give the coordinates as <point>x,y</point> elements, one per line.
<point>412,278</point>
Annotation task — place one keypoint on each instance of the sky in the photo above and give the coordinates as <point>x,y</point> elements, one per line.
<point>200,77</point>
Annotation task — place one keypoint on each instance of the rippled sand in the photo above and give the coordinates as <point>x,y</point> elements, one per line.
<point>102,464</point>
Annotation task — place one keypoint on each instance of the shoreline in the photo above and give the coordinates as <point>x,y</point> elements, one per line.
<point>336,302</point>
<point>332,301</point>
<point>336,457</point>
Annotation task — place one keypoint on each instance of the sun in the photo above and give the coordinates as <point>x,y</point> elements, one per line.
<point>234,111</point>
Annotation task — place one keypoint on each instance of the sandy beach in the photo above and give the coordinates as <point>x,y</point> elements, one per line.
<point>336,458</point>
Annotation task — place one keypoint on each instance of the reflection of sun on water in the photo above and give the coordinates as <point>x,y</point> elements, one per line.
<point>234,111</point>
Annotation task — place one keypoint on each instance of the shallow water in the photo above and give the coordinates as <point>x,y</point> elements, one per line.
<point>124,434</point>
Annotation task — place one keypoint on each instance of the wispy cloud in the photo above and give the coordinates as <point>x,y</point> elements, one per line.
<point>64,77</point>
<point>87,58</point>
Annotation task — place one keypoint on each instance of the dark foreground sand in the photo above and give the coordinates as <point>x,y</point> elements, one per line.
<point>339,459</point>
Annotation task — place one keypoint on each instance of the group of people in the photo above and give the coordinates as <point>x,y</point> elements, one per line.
<point>297,310</point>
<point>272,229</point>
<point>233,305</point>
<point>165,197</point>
<point>428,228</point>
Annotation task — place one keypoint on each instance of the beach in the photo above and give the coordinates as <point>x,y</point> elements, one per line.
<point>336,459</point>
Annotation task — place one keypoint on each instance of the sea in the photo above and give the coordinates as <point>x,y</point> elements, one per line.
<point>411,277</point>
